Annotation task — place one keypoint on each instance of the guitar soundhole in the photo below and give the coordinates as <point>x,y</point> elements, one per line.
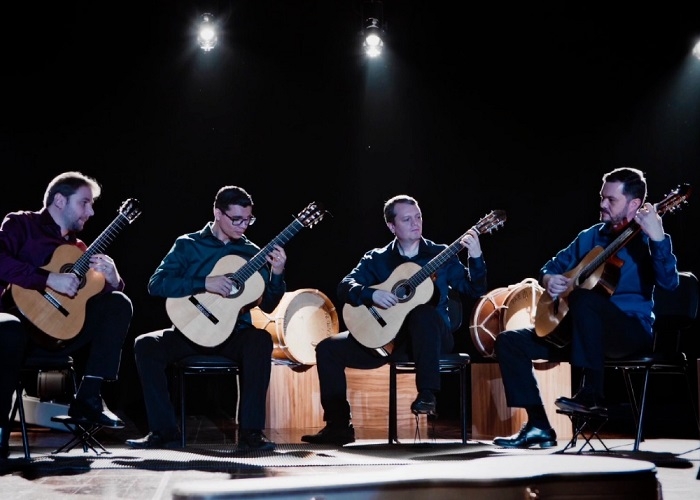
<point>68,268</point>
<point>236,290</point>
<point>403,292</point>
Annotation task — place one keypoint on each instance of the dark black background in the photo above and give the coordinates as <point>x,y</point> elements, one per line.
<point>471,109</point>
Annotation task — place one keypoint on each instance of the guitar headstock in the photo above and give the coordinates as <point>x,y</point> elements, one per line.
<point>312,214</point>
<point>130,209</point>
<point>491,222</point>
<point>675,199</point>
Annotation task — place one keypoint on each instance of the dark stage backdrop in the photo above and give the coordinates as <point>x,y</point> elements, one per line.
<point>521,110</point>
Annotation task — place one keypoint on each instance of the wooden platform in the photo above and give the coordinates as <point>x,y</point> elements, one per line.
<point>294,399</point>
<point>491,416</point>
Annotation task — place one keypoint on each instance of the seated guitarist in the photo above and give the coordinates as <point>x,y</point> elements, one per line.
<point>29,240</point>
<point>187,269</point>
<point>599,324</point>
<point>424,334</point>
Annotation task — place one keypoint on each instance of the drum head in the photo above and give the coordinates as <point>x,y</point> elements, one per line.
<point>520,306</point>
<point>299,322</point>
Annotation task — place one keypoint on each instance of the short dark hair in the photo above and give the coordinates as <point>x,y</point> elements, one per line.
<point>67,184</point>
<point>232,195</point>
<point>389,212</point>
<point>634,184</point>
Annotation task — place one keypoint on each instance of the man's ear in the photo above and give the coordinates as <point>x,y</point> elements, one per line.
<point>59,200</point>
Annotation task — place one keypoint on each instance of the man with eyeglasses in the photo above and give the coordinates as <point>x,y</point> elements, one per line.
<point>423,335</point>
<point>187,269</point>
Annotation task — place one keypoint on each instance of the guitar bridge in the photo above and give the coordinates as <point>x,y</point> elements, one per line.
<point>207,314</point>
<point>377,316</point>
<point>55,303</point>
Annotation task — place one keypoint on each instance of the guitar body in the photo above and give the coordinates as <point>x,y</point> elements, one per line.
<point>58,316</point>
<point>374,327</point>
<point>207,318</point>
<point>551,312</point>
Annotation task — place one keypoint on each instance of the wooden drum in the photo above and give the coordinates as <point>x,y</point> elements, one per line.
<point>300,321</point>
<point>505,308</point>
<point>485,323</point>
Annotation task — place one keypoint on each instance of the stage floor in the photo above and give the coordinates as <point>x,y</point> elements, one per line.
<point>438,463</point>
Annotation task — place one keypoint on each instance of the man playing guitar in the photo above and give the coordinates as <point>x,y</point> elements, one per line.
<point>28,241</point>
<point>424,333</point>
<point>189,268</point>
<point>609,313</point>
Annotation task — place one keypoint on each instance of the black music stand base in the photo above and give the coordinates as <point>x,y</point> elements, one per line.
<point>83,433</point>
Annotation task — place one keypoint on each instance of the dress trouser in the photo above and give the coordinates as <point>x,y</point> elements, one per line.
<point>251,348</point>
<point>599,329</point>
<point>422,338</point>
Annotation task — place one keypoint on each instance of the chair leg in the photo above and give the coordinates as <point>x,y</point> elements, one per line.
<point>642,407</point>
<point>632,397</point>
<point>19,407</point>
<point>183,424</point>
<point>463,402</point>
<point>393,413</point>
<point>691,400</point>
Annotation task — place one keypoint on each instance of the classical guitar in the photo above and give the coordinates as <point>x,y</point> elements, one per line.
<point>59,317</point>
<point>598,270</point>
<point>375,327</point>
<point>207,319</point>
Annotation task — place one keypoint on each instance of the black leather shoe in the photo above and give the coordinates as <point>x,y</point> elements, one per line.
<point>156,440</point>
<point>528,437</point>
<point>94,411</point>
<point>424,403</point>
<point>583,402</point>
<point>254,440</point>
<point>334,434</point>
<point>4,442</point>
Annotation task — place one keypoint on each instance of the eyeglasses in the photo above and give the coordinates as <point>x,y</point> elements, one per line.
<point>239,221</point>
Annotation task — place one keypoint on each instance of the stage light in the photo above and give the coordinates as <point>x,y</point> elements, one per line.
<point>373,42</point>
<point>696,50</point>
<point>373,28</point>
<point>207,33</point>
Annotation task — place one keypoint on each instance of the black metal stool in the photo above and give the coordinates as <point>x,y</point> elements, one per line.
<point>587,426</point>
<point>83,433</point>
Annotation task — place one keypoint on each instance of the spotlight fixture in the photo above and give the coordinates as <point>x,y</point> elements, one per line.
<point>373,33</point>
<point>206,33</point>
<point>696,50</point>
<point>373,28</point>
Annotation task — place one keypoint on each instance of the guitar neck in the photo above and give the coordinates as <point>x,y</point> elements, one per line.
<point>434,264</point>
<point>487,224</point>
<point>82,265</point>
<point>259,259</point>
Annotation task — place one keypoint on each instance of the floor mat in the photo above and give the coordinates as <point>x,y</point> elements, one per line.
<point>227,458</point>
